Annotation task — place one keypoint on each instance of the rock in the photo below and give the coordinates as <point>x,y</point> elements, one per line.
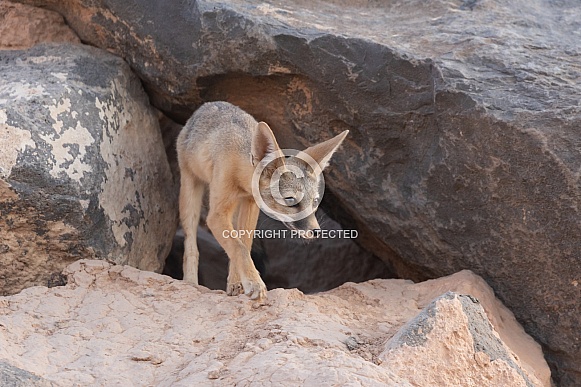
<point>463,150</point>
<point>117,325</point>
<point>170,131</point>
<point>23,26</point>
<point>453,333</point>
<point>11,376</point>
<point>83,172</point>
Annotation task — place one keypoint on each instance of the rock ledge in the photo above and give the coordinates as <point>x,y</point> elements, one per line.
<point>117,325</point>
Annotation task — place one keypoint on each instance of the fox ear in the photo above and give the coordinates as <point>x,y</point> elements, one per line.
<point>322,152</point>
<point>263,143</point>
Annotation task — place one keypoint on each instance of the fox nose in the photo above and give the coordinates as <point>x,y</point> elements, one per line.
<point>317,232</point>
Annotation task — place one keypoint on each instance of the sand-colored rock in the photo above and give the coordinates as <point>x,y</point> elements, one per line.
<point>23,26</point>
<point>453,334</point>
<point>116,325</point>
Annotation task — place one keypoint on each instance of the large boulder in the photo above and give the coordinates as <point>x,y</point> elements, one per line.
<point>116,325</point>
<point>83,172</point>
<point>464,150</point>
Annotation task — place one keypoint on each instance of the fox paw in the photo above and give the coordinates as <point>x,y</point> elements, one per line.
<point>234,288</point>
<point>250,284</point>
<point>256,289</point>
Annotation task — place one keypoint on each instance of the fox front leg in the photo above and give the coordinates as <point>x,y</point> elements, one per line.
<point>241,270</point>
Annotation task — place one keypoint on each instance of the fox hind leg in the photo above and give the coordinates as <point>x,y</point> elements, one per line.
<point>190,202</point>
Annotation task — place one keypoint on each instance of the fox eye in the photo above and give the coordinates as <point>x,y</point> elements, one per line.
<point>290,201</point>
<point>316,201</point>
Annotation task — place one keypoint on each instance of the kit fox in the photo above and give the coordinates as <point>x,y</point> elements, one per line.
<point>221,146</point>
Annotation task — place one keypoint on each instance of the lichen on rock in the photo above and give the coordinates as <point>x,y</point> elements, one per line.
<point>84,173</point>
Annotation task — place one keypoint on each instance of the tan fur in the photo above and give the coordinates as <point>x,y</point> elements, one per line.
<point>220,147</point>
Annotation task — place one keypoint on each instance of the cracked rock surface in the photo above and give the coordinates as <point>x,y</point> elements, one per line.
<point>117,325</point>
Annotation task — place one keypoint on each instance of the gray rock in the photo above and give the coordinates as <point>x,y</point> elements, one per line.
<point>83,172</point>
<point>11,376</point>
<point>464,150</point>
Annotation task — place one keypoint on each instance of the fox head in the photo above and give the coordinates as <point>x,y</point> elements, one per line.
<point>290,183</point>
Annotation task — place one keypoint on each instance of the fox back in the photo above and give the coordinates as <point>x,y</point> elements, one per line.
<point>217,133</point>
